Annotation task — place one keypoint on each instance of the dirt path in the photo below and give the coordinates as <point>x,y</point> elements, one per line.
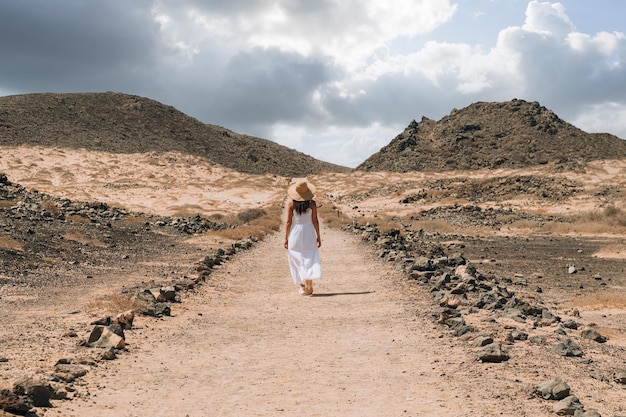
<point>249,345</point>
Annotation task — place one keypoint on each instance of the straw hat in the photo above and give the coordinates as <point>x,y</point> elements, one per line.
<point>301,190</point>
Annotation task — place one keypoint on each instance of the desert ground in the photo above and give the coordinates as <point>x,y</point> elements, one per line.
<point>369,342</point>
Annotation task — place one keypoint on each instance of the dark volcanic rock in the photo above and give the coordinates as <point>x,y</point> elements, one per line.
<point>516,133</point>
<point>121,123</point>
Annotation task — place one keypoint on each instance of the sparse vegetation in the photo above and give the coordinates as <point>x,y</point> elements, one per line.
<point>8,243</point>
<point>599,301</point>
<point>115,303</point>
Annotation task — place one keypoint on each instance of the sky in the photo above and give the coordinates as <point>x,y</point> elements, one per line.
<point>335,79</point>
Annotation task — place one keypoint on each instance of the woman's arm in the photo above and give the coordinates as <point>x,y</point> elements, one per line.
<point>316,223</point>
<point>288,223</point>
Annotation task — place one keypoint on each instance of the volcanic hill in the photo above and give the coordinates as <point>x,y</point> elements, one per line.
<point>121,123</point>
<point>509,134</point>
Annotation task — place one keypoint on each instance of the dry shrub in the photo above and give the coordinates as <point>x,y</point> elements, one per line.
<point>8,243</point>
<point>251,214</point>
<point>7,203</point>
<point>50,206</point>
<point>434,226</point>
<point>332,216</point>
<point>115,303</point>
<point>254,222</point>
<point>600,301</point>
<point>134,219</point>
<point>557,228</point>
<point>78,219</point>
<point>85,240</point>
<point>524,224</point>
<point>383,224</point>
<point>605,220</point>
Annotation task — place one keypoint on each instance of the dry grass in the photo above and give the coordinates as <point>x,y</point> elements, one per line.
<point>50,206</point>
<point>254,222</point>
<point>85,240</point>
<point>8,243</point>
<point>7,203</point>
<point>609,220</point>
<point>332,216</point>
<point>434,226</point>
<point>115,303</point>
<point>134,219</point>
<point>599,301</point>
<point>78,219</point>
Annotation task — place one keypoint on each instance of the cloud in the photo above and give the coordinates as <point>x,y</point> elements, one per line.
<point>332,79</point>
<point>75,45</point>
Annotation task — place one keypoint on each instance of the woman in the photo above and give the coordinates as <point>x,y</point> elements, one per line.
<point>302,236</point>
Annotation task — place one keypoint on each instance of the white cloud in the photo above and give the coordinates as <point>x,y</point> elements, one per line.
<point>349,32</point>
<point>602,118</point>
<point>548,18</point>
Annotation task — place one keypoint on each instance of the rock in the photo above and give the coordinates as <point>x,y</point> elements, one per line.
<point>38,391</point>
<point>422,276</point>
<point>553,389</point>
<point>481,341</point>
<point>593,334</point>
<point>14,403</point>
<point>493,353</point>
<point>571,269</point>
<point>422,263</point>
<point>156,293</point>
<point>125,319</point>
<point>568,406</point>
<point>620,377</point>
<point>519,336</point>
<point>579,413</point>
<point>453,300</point>
<point>570,324</point>
<point>458,326</point>
<point>108,354</point>
<point>104,337</point>
<point>69,372</point>
<point>568,348</point>
<point>599,376</point>
<point>168,293</point>
<point>157,310</point>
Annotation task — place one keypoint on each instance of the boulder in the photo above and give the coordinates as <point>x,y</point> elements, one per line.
<point>493,353</point>
<point>104,337</point>
<point>69,372</point>
<point>592,334</point>
<point>38,391</point>
<point>125,319</point>
<point>553,389</point>
<point>568,406</point>
<point>13,403</point>
<point>568,348</point>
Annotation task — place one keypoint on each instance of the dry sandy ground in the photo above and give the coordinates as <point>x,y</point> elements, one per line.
<point>246,344</point>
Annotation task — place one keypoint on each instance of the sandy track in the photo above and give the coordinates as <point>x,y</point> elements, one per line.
<point>248,345</point>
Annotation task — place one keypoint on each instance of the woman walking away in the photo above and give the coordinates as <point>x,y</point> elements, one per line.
<point>302,236</point>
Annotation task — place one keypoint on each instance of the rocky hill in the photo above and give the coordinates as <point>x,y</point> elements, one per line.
<point>122,123</point>
<point>516,133</point>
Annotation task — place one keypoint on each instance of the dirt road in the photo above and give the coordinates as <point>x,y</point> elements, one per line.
<point>247,344</point>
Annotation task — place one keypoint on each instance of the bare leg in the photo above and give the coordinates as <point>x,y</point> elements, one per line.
<point>309,286</point>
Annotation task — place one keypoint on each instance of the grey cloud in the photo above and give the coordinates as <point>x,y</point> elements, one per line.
<point>74,45</point>
<point>265,86</point>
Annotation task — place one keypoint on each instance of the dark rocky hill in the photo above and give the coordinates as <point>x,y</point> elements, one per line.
<point>516,133</point>
<point>121,123</point>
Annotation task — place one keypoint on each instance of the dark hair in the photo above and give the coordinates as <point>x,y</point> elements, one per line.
<point>301,207</point>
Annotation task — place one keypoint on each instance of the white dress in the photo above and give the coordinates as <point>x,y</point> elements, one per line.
<point>303,253</point>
